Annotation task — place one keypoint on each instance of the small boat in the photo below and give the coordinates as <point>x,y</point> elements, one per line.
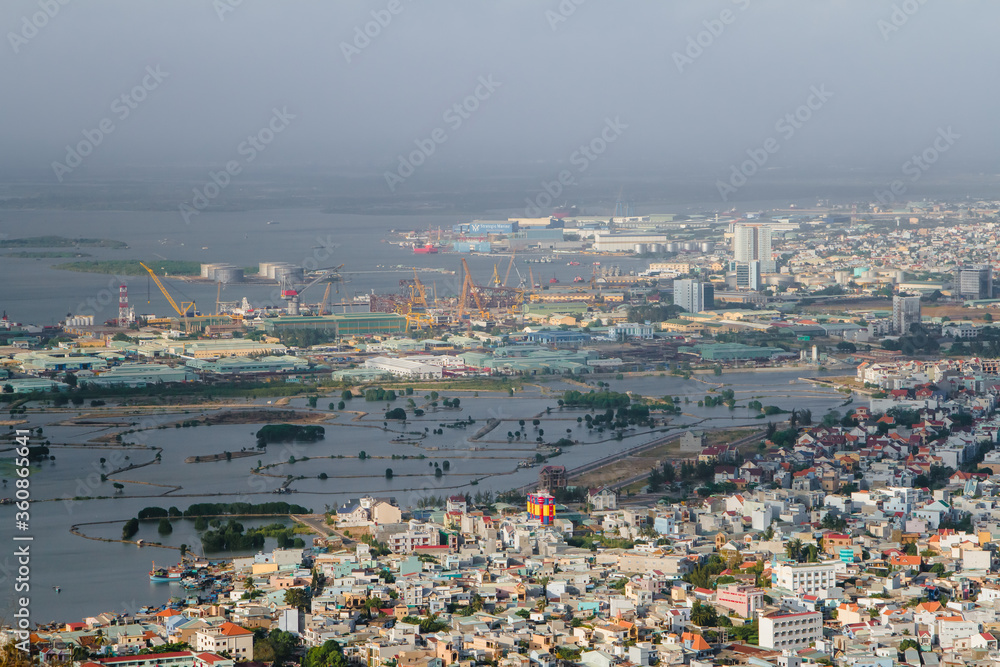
<point>553,280</point>
<point>273,222</point>
<point>165,575</point>
<point>578,279</point>
<point>57,589</point>
<point>427,249</point>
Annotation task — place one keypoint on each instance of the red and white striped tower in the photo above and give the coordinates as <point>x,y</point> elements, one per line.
<point>123,312</point>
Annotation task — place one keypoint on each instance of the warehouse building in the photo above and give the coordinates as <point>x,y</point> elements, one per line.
<point>243,366</point>
<point>345,324</point>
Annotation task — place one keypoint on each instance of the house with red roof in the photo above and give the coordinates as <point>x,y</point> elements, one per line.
<point>235,640</point>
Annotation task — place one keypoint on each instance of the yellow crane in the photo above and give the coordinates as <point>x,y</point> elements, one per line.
<point>420,296</point>
<point>513,251</point>
<point>469,287</point>
<point>185,307</point>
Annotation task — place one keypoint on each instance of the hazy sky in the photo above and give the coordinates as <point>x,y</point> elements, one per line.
<point>562,76</point>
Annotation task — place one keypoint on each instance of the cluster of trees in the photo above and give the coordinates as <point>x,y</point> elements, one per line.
<point>701,576</point>
<point>596,400</point>
<point>653,313</point>
<point>276,646</point>
<point>231,537</point>
<point>330,654</point>
<point>289,433</point>
<point>396,413</point>
<point>727,397</point>
<point>917,341</point>
<point>660,476</point>
<point>305,337</point>
<point>379,394</point>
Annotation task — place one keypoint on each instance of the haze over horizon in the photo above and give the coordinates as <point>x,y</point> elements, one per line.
<point>693,88</point>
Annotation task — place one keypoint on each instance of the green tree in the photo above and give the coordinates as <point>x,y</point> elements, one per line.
<point>298,598</point>
<point>328,655</point>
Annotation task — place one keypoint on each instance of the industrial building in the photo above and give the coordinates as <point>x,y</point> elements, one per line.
<point>341,325</point>
<point>731,352</point>
<point>413,367</point>
<point>222,273</point>
<point>608,242</point>
<point>139,375</point>
<point>243,365</point>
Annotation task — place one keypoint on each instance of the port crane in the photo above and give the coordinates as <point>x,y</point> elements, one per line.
<point>185,309</point>
<point>290,294</point>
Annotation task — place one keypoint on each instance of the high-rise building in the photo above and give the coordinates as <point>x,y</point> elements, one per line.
<point>748,275</point>
<point>976,281</point>
<point>753,243</point>
<point>905,313</point>
<point>689,296</point>
<point>707,296</point>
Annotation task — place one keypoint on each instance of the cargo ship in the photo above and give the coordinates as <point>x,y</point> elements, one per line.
<point>427,249</point>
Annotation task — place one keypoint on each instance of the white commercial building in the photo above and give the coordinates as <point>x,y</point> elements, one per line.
<point>806,578</point>
<point>606,242</point>
<point>790,631</point>
<point>407,368</point>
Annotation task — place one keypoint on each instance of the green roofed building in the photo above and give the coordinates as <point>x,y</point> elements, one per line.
<point>242,365</point>
<point>346,324</point>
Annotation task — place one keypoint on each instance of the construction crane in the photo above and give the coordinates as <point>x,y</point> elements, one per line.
<point>513,252</point>
<point>469,287</point>
<point>323,306</point>
<point>186,309</point>
<point>218,297</point>
<point>420,294</point>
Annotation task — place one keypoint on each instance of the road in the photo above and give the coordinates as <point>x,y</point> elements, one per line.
<point>635,478</point>
<point>607,460</point>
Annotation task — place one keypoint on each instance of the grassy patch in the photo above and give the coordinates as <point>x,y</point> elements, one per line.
<point>60,242</point>
<point>130,267</point>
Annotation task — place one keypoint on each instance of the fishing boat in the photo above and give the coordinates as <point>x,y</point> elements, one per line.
<point>165,575</point>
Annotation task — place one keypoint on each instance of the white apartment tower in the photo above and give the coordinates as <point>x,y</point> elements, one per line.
<point>905,313</point>
<point>688,295</point>
<point>753,243</point>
